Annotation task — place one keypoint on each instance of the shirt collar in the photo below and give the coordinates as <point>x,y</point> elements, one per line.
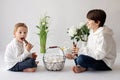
<point>97,31</point>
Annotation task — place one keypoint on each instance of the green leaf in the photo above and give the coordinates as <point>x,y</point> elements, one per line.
<point>43,30</point>
<point>38,34</point>
<point>38,27</point>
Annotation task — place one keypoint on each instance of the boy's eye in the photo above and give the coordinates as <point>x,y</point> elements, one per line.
<point>24,32</point>
<point>20,32</point>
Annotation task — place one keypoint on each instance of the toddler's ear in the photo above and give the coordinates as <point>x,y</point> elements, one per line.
<point>14,34</point>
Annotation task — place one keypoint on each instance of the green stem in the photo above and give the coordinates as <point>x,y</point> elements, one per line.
<point>43,39</point>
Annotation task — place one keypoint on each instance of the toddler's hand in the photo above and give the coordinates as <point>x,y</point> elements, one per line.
<point>29,46</point>
<point>34,55</point>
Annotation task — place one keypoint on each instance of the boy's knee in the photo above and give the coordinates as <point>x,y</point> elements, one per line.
<point>81,59</point>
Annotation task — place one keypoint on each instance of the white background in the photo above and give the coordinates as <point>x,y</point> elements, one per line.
<point>63,13</point>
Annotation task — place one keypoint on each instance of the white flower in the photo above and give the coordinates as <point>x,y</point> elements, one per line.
<point>72,31</point>
<point>81,25</point>
<point>46,30</point>
<point>43,31</point>
<point>78,33</point>
<point>43,23</point>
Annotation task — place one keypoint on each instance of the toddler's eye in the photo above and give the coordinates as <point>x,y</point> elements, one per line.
<point>20,32</point>
<point>24,32</point>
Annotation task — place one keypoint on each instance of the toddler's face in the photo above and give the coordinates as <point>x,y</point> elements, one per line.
<point>21,34</point>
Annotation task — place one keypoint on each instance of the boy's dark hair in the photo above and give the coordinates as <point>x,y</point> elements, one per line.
<point>97,15</point>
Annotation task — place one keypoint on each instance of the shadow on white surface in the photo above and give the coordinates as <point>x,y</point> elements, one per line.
<point>65,74</point>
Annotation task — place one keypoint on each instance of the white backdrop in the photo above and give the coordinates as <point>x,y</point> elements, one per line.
<point>63,13</point>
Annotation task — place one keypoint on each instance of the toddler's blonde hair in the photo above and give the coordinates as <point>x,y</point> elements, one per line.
<point>19,25</point>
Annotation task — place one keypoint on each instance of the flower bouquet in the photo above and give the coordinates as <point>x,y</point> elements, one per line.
<point>79,33</point>
<point>43,30</point>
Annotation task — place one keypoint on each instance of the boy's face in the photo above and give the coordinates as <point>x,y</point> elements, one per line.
<point>92,24</point>
<point>21,33</point>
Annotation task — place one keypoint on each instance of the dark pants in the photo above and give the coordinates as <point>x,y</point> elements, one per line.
<point>90,63</point>
<point>27,63</point>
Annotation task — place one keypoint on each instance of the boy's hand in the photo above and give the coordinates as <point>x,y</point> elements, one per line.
<point>75,50</point>
<point>70,56</point>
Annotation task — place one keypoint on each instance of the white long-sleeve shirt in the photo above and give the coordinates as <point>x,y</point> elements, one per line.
<point>15,53</point>
<point>101,46</point>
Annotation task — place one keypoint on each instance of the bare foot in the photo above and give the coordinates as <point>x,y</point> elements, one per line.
<point>29,70</point>
<point>78,69</point>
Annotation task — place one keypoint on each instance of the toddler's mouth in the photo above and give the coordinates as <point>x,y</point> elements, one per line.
<point>22,39</point>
